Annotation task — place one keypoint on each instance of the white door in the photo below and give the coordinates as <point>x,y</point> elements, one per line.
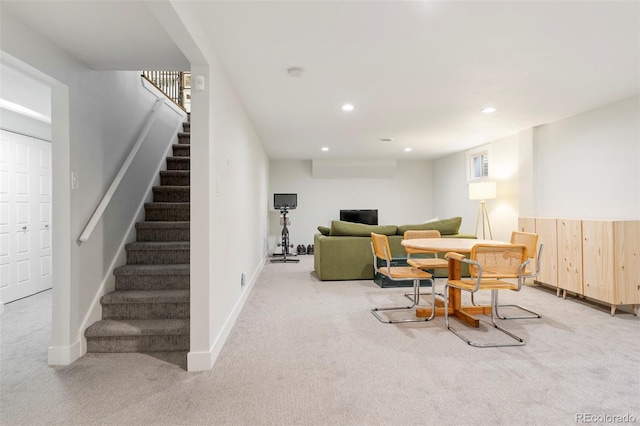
<point>25,216</point>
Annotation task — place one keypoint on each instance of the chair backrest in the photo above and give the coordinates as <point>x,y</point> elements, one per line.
<point>430,233</point>
<point>530,240</point>
<point>381,247</point>
<point>411,235</point>
<point>498,261</point>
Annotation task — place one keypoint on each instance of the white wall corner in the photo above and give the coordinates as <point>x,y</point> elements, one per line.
<point>204,360</point>
<point>526,177</point>
<point>65,355</point>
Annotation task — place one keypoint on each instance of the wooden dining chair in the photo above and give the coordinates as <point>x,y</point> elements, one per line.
<point>429,263</point>
<point>489,266</point>
<point>530,240</point>
<point>381,250</point>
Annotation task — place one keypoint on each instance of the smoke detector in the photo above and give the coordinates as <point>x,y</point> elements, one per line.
<point>295,72</point>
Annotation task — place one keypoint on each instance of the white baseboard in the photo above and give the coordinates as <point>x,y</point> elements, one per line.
<point>200,361</point>
<point>65,355</point>
<point>204,360</point>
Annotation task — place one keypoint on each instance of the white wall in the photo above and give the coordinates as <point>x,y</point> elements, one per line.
<point>451,191</point>
<point>25,125</point>
<point>584,166</point>
<point>96,118</point>
<point>229,176</point>
<point>588,165</point>
<point>402,199</point>
<point>20,89</point>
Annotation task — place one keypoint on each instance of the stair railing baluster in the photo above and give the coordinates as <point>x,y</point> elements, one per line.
<point>171,83</point>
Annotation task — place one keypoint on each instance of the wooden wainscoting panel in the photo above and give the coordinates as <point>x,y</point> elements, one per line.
<point>570,255</point>
<point>546,228</point>
<point>598,259</point>
<point>627,254</point>
<point>527,224</point>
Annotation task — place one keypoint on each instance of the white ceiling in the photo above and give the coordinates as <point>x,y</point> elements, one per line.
<point>105,35</point>
<point>418,72</point>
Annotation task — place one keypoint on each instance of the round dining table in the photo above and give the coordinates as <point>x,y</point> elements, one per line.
<point>464,313</point>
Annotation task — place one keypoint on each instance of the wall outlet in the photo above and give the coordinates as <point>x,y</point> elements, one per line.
<point>243,278</point>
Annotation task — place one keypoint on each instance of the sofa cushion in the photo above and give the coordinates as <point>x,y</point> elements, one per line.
<point>324,230</point>
<point>338,258</point>
<point>339,227</point>
<point>445,226</point>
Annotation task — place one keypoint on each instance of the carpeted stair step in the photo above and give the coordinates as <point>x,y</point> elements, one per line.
<point>152,277</point>
<point>157,253</point>
<point>184,138</point>
<point>164,335</point>
<point>171,194</point>
<point>145,304</point>
<point>167,211</point>
<point>178,163</point>
<point>175,177</point>
<point>162,231</point>
<point>181,150</point>
<point>150,307</point>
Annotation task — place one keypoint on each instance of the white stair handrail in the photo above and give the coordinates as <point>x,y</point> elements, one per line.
<point>97,214</point>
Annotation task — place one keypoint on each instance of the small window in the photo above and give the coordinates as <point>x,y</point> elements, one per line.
<point>478,164</point>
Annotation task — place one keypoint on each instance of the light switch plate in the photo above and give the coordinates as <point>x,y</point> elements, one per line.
<point>74,181</point>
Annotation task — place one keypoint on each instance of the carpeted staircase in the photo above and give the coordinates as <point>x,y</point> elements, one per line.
<point>149,309</point>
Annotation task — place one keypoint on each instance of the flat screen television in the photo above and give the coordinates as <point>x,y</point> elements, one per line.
<point>285,200</point>
<point>369,217</point>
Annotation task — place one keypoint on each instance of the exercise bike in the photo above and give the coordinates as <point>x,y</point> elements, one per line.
<point>284,243</point>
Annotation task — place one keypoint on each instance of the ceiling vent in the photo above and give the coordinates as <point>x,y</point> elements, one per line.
<point>295,72</point>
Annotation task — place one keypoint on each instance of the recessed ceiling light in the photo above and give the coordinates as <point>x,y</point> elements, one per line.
<point>295,72</point>
<point>324,148</point>
<point>408,149</point>
<point>347,107</point>
<point>488,110</point>
<point>386,139</point>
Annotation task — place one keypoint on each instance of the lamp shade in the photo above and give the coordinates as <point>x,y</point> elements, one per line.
<point>482,191</point>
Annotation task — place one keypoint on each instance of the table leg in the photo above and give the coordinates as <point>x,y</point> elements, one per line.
<point>455,308</point>
<point>454,270</point>
<point>455,296</point>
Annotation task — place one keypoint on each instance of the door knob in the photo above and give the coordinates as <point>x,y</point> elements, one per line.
<point>24,228</point>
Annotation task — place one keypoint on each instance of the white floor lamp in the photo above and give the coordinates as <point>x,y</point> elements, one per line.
<point>483,191</point>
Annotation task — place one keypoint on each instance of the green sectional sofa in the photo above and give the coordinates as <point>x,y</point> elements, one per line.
<point>343,251</point>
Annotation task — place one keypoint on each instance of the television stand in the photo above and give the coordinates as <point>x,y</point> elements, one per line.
<point>285,243</point>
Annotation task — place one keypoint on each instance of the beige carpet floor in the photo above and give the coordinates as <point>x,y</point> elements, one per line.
<point>306,352</point>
